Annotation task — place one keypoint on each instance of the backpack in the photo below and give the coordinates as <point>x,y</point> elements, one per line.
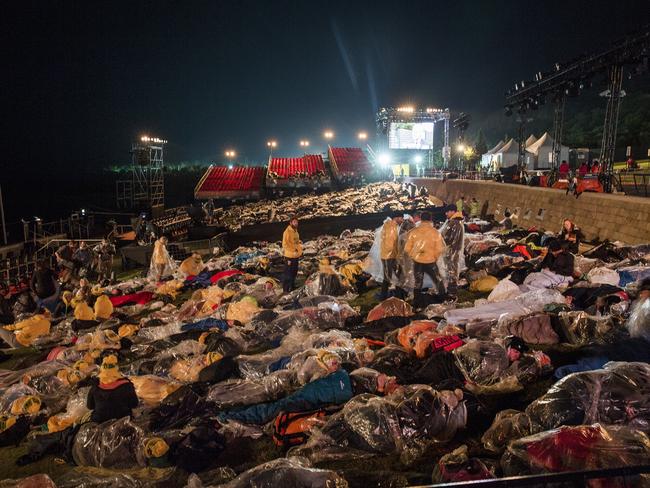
<point>292,428</point>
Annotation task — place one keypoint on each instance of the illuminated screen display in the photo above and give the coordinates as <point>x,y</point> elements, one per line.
<point>410,135</point>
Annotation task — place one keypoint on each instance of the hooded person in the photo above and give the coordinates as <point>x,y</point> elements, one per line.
<point>453,233</point>
<point>84,317</point>
<point>112,396</point>
<point>103,308</point>
<point>162,265</point>
<point>389,251</point>
<point>193,265</point>
<point>28,330</point>
<point>424,246</point>
<point>65,305</point>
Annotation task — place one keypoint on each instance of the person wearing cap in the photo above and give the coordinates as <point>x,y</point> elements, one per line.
<point>112,396</point>
<point>292,251</point>
<point>453,233</point>
<point>558,260</point>
<point>389,251</point>
<point>424,246</point>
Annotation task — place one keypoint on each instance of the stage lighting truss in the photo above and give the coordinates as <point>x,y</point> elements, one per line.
<point>571,78</point>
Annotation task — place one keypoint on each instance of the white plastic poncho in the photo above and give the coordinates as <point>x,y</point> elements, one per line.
<point>159,257</point>
<point>405,279</point>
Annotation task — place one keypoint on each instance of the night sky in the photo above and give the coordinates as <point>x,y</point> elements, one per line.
<point>83,78</point>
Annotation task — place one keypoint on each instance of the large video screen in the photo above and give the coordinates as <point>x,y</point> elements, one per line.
<point>410,135</point>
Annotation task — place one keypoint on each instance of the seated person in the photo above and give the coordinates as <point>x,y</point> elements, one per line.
<point>506,223</point>
<point>570,236</point>
<point>558,260</point>
<point>112,396</point>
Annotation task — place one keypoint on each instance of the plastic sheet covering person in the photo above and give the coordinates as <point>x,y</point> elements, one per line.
<point>403,423</point>
<point>333,389</point>
<point>162,265</point>
<point>28,330</point>
<point>618,394</point>
<point>638,323</point>
<point>424,246</point>
<point>453,233</point>
<point>578,448</point>
<point>292,472</point>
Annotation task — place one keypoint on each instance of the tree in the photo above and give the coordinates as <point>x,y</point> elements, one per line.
<point>480,147</point>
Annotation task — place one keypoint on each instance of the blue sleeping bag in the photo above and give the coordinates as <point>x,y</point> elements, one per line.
<point>206,324</point>
<point>334,389</point>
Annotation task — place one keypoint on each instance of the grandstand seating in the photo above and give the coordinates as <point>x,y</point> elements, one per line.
<point>219,181</point>
<point>305,167</point>
<point>349,161</point>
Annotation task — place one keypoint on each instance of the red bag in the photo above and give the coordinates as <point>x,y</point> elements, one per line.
<point>292,428</point>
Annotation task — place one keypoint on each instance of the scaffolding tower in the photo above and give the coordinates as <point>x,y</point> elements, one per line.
<point>146,187</point>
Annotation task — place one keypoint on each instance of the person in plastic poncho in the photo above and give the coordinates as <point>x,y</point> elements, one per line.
<point>161,262</point>
<point>389,251</point>
<point>453,233</point>
<point>639,322</point>
<point>291,250</point>
<point>424,245</point>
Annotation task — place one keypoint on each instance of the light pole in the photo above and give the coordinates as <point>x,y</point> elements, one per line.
<point>460,148</point>
<point>362,136</point>
<point>230,154</point>
<point>328,135</point>
<point>304,143</point>
<point>271,145</point>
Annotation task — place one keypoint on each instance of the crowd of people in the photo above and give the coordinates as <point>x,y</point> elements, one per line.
<point>408,346</point>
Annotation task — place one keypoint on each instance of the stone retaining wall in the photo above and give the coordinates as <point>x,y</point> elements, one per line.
<point>599,215</point>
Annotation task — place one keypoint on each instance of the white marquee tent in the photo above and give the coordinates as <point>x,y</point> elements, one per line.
<point>539,154</point>
<point>486,159</point>
<point>507,155</point>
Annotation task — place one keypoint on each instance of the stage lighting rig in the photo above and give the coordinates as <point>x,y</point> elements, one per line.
<point>571,78</point>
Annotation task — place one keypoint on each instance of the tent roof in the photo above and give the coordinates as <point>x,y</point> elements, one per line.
<point>545,140</point>
<point>509,146</point>
<point>496,148</point>
<point>531,140</point>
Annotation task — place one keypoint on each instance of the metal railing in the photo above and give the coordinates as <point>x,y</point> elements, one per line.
<point>628,474</point>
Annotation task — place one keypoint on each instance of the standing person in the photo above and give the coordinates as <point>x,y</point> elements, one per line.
<point>583,169</point>
<point>83,258</point>
<point>453,233</point>
<point>460,204</point>
<point>292,251</point>
<point>105,252</point>
<point>474,208</point>
<point>44,285</point>
<point>424,246</point>
<point>64,258</point>
<point>389,251</point>
<point>595,167</point>
<point>564,169</point>
<point>161,262</point>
